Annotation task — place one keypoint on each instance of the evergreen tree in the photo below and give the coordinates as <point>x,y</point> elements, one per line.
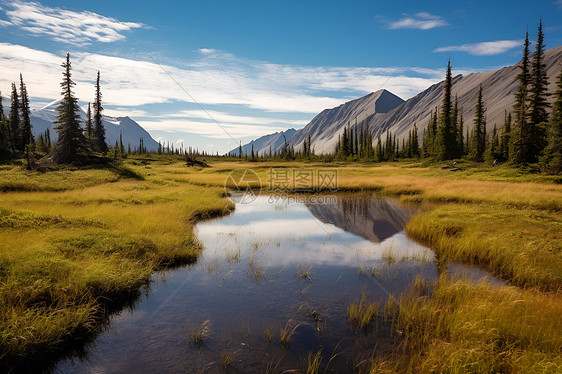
<point>505,137</point>
<point>121,146</point>
<point>253,155</point>
<point>99,130</point>
<point>40,145</point>
<point>26,134</point>
<point>5,152</point>
<point>478,142</point>
<point>461,146</point>
<point>14,121</point>
<point>415,143</point>
<point>538,84</point>
<point>71,139</point>
<point>89,129</point>
<point>48,139</point>
<point>538,104</point>
<point>519,138</point>
<point>493,150</point>
<point>445,147</point>
<point>551,161</point>
<point>379,156</point>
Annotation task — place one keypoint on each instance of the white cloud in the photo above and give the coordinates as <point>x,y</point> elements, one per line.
<point>207,51</point>
<point>484,48</point>
<point>421,21</point>
<point>210,129</point>
<point>223,117</point>
<point>216,79</point>
<point>66,26</point>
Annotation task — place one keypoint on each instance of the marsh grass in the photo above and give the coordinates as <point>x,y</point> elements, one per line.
<point>304,272</point>
<point>286,333</point>
<point>363,316</point>
<point>71,238</point>
<point>227,358</point>
<point>268,333</point>
<point>75,242</point>
<point>313,362</point>
<point>198,334</point>
<point>478,328</point>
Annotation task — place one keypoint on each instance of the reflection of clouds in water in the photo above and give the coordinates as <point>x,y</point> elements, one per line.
<point>296,236</point>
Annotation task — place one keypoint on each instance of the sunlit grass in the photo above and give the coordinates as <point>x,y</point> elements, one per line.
<point>363,316</point>
<point>478,328</point>
<point>73,237</point>
<point>77,235</point>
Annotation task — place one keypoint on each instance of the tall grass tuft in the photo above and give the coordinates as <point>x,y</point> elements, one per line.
<point>363,315</point>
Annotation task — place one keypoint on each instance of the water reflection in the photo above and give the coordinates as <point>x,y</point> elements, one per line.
<point>267,266</point>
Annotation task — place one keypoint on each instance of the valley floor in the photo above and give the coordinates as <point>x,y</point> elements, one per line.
<point>77,243</point>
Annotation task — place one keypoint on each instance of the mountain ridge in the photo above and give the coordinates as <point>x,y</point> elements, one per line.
<point>498,85</point>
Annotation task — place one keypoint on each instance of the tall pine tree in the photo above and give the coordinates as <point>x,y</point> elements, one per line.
<point>445,145</point>
<point>14,127</point>
<point>505,138</point>
<point>99,130</point>
<point>26,139</point>
<point>70,143</point>
<point>538,85</point>
<point>520,138</point>
<point>551,161</point>
<point>89,128</point>
<point>5,152</point>
<point>538,104</point>
<point>478,143</point>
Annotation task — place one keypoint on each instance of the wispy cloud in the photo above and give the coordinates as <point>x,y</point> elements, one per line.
<point>484,48</point>
<point>262,97</point>
<point>420,21</point>
<point>559,3</point>
<point>66,26</point>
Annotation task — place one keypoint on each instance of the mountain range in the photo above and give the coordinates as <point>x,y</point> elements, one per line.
<point>382,111</point>
<point>131,132</point>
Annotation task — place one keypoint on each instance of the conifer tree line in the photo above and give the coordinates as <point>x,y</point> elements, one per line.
<point>76,142</point>
<point>527,136</point>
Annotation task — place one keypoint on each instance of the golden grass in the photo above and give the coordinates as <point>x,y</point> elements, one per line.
<point>478,329</point>
<point>363,316</point>
<point>80,237</point>
<point>71,238</point>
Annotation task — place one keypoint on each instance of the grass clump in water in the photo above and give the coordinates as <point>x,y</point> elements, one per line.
<point>198,335</point>
<point>286,333</point>
<point>363,316</point>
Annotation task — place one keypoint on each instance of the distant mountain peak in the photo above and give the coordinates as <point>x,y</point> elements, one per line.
<point>382,111</point>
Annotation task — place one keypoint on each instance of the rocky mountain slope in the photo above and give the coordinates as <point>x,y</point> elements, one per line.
<point>382,111</point>
<point>263,145</point>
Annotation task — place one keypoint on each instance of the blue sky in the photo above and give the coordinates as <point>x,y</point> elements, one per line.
<point>211,74</point>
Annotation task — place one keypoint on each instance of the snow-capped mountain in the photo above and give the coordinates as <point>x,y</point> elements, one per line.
<point>42,119</point>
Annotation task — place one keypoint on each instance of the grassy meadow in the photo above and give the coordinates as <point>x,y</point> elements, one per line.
<point>72,239</point>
